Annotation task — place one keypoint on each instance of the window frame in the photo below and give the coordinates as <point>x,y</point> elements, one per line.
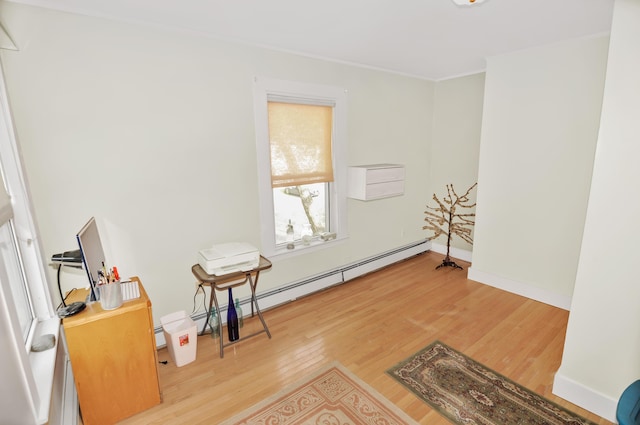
<point>266,89</point>
<point>23,221</point>
<point>36,369</point>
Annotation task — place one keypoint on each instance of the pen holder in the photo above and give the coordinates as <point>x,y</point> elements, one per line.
<point>110,295</point>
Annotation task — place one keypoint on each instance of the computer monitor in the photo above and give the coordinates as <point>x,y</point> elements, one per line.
<point>92,254</point>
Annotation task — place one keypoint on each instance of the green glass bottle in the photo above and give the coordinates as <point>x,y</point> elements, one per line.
<point>213,322</point>
<point>239,313</point>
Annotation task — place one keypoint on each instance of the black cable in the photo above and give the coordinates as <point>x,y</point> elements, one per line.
<point>65,298</point>
<point>70,292</point>
<point>62,297</point>
<point>204,297</point>
<point>204,305</point>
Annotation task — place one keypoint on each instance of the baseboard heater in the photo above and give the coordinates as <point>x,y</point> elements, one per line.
<point>292,291</point>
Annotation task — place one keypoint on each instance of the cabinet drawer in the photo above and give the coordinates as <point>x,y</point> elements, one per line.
<point>382,175</point>
<point>368,182</point>
<point>384,189</point>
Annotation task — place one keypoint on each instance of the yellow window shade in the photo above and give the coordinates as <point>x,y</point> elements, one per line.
<point>300,139</point>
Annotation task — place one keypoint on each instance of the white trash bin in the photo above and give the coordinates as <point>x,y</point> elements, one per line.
<point>180,332</point>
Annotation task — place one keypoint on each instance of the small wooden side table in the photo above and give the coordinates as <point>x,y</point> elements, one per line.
<point>223,283</point>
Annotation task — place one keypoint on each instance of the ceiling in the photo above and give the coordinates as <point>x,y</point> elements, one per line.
<point>431,39</point>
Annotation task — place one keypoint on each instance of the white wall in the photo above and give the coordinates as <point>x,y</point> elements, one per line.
<point>539,131</point>
<point>455,147</point>
<point>602,348</point>
<point>152,132</point>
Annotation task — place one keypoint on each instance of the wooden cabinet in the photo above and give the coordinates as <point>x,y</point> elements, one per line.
<point>368,182</point>
<point>114,359</point>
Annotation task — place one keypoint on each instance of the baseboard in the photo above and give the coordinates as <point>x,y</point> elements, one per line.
<point>505,284</point>
<point>584,397</point>
<point>520,288</point>
<point>294,290</point>
<point>461,254</point>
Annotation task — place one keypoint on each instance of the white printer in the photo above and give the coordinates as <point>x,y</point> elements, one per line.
<point>227,258</point>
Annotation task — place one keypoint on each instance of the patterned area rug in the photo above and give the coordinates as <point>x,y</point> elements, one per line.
<point>465,392</point>
<point>331,396</point>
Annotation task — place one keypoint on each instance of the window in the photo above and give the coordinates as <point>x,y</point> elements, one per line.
<point>19,251</point>
<point>301,144</point>
<point>27,311</point>
<point>11,264</point>
<point>10,258</point>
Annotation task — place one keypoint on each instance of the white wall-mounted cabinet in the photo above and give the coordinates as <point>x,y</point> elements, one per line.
<point>375,181</point>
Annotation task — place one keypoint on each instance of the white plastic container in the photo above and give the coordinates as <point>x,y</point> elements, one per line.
<point>181,334</point>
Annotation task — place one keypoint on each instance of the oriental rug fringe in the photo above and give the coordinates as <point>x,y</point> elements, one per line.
<point>466,392</point>
<point>332,395</point>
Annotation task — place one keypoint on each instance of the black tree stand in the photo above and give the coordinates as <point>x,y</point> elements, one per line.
<point>443,220</point>
<point>448,262</point>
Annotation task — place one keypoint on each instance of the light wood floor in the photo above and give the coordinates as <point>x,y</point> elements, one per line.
<point>369,324</point>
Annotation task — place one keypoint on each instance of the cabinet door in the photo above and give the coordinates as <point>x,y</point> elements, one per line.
<point>114,363</point>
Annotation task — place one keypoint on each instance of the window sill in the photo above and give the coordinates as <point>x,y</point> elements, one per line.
<point>317,244</point>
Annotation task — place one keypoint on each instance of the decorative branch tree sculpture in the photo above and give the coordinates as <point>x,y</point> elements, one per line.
<point>446,220</point>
